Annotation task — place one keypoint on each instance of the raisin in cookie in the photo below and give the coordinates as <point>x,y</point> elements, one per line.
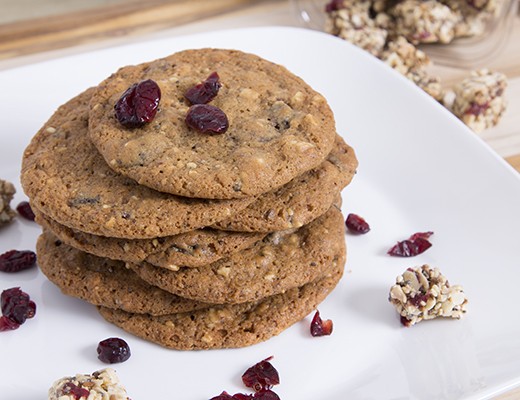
<point>279,127</point>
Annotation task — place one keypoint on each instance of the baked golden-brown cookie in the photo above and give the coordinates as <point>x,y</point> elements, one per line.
<point>281,261</point>
<point>228,326</point>
<point>67,179</point>
<point>104,282</point>
<point>279,127</point>
<point>190,249</point>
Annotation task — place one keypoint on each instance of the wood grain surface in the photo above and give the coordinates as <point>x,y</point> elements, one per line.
<point>130,17</point>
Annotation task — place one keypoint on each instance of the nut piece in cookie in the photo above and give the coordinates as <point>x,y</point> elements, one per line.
<point>103,384</point>
<point>423,293</point>
<point>479,100</point>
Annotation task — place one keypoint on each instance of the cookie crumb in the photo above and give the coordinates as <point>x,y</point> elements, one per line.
<point>100,385</point>
<point>423,293</point>
<point>7,192</point>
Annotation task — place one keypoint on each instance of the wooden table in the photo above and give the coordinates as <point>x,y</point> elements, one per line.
<point>92,24</point>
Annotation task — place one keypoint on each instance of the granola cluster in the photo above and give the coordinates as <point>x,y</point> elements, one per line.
<point>411,62</point>
<point>479,100</point>
<point>7,192</point>
<point>101,385</point>
<point>424,293</point>
<point>391,30</point>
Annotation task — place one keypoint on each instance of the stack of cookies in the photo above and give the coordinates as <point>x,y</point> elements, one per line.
<point>188,237</point>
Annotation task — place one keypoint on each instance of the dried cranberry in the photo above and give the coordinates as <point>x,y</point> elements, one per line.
<point>418,299</point>
<point>237,396</point>
<point>25,210</point>
<point>222,396</point>
<point>242,396</point>
<point>357,224</point>
<point>416,244</point>
<point>320,327</point>
<point>207,119</point>
<point>334,5</point>
<point>7,324</point>
<point>410,248</point>
<point>405,321</point>
<point>422,235</point>
<point>17,260</point>
<point>266,395</point>
<point>17,305</point>
<point>205,91</point>
<point>138,104</point>
<point>113,350</point>
<point>74,390</point>
<point>261,376</point>
<point>477,109</point>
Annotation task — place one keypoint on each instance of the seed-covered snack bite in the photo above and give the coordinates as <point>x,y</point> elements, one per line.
<point>351,20</point>
<point>424,293</point>
<point>7,192</point>
<point>279,127</point>
<point>100,385</point>
<point>412,62</point>
<point>424,21</point>
<point>479,99</point>
<point>391,30</point>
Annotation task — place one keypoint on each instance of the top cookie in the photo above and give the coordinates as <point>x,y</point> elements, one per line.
<point>279,127</point>
<point>66,179</point>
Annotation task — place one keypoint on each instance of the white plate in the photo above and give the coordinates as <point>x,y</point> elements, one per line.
<point>420,169</point>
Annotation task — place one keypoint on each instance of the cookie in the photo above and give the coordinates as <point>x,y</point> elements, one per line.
<point>279,127</point>
<point>281,261</point>
<point>190,249</point>
<point>67,179</point>
<point>228,326</point>
<point>104,282</point>
<point>301,200</point>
